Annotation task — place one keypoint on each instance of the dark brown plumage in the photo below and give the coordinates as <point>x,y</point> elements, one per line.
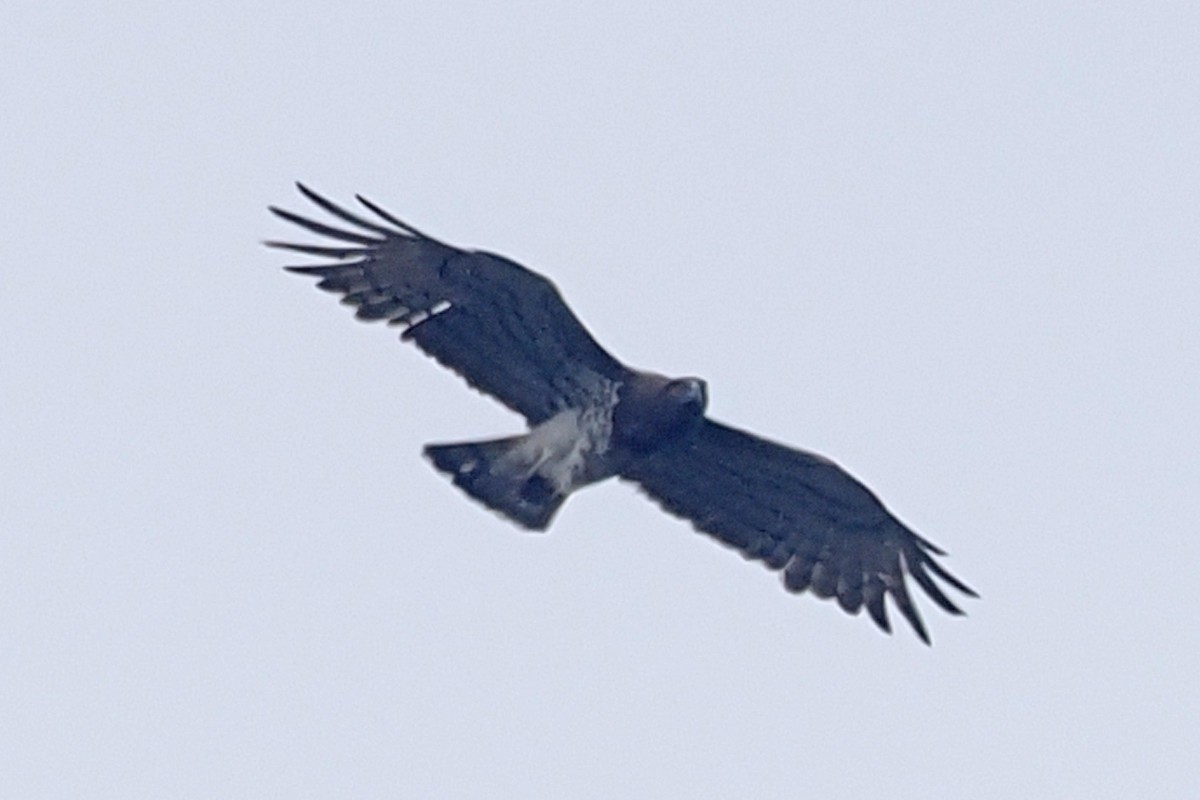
<point>507,331</point>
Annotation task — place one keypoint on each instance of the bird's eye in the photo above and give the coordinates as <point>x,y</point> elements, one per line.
<point>686,390</point>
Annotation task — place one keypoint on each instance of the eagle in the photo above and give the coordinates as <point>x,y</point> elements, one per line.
<point>508,332</point>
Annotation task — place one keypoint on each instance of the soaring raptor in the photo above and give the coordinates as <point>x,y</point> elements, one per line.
<point>507,331</point>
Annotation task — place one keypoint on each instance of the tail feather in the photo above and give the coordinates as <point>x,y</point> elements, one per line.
<point>488,472</point>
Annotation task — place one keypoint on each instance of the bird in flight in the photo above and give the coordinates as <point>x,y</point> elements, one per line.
<point>507,331</point>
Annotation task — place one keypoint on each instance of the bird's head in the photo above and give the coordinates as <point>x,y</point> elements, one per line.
<point>655,410</point>
<point>687,393</point>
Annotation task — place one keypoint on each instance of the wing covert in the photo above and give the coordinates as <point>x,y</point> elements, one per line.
<point>502,327</point>
<point>800,514</point>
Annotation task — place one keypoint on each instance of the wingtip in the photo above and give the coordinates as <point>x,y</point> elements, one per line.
<point>312,194</point>
<point>922,634</point>
<point>309,193</point>
<point>392,219</point>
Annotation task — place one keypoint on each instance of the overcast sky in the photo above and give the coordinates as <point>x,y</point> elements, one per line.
<point>955,247</point>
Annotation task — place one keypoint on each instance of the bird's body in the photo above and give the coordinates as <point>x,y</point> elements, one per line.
<point>528,477</point>
<point>507,331</point>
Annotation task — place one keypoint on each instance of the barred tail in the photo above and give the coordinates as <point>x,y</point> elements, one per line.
<point>494,473</point>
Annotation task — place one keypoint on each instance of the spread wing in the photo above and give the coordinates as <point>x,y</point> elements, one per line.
<point>799,513</point>
<point>505,329</point>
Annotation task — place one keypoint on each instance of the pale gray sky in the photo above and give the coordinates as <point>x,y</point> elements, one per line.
<point>953,246</point>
